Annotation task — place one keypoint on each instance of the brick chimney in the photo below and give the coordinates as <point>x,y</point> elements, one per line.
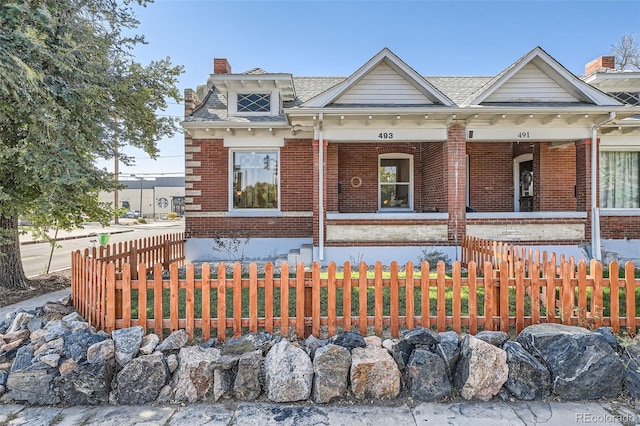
<point>190,101</point>
<point>221,66</point>
<point>600,64</point>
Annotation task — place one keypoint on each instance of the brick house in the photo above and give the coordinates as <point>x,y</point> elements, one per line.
<point>386,162</point>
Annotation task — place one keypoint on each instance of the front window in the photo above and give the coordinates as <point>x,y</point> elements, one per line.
<point>254,102</point>
<point>619,179</point>
<point>395,181</point>
<point>255,179</point>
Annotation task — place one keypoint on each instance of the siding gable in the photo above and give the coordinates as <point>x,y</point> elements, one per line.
<point>383,85</point>
<point>530,84</point>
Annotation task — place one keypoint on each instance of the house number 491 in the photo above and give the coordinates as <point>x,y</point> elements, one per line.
<point>523,135</point>
<point>385,135</point>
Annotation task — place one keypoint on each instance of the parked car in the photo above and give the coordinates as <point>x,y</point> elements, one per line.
<point>132,214</point>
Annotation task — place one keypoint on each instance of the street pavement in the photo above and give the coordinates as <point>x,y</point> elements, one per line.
<point>307,414</point>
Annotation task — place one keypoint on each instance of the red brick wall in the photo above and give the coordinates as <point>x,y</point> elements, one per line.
<point>556,180</point>
<point>618,227</point>
<point>456,181</point>
<point>296,193</point>
<point>361,160</point>
<point>491,176</point>
<point>434,177</point>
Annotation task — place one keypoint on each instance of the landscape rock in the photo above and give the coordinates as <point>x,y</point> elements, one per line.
<point>374,373</point>
<point>149,344</point>
<point>174,341</point>
<point>55,309</point>
<point>193,379</point>
<point>373,340</point>
<point>481,370</point>
<point>55,330</point>
<point>88,384</point>
<point>426,376</point>
<point>52,346</point>
<point>141,380</point>
<point>67,366</point>
<point>172,363</point>
<point>33,384</point>
<point>400,350</point>
<point>36,323</point>
<point>77,343</point>
<point>583,365</point>
<point>421,336</point>
<point>247,385</point>
<point>18,335</point>
<point>528,378</point>
<point>495,338</point>
<point>19,322</point>
<point>223,381</point>
<point>52,360</point>
<point>127,342</point>
<point>449,350</point>
<point>22,358</point>
<point>103,351</point>
<point>288,373</point>
<point>348,340</point>
<point>607,333</point>
<point>312,344</point>
<point>331,373</point>
<point>631,362</point>
<point>248,343</point>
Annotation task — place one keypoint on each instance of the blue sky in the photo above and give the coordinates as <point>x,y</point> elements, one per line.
<point>334,38</point>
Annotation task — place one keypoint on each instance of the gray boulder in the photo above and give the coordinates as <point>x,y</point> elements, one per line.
<point>495,338</point>
<point>348,340</point>
<point>631,362</point>
<point>421,336</point>
<point>193,379</point>
<point>582,363</point>
<point>77,343</point>
<point>247,386</point>
<point>141,380</point>
<point>34,384</point>
<point>248,343</point>
<point>88,384</point>
<point>20,322</point>
<point>103,351</point>
<point>173,342</point>
<point>481,370</point>
<point>374,373</point>
<point>331,373</point>
<point>288,373</point>
<point>127,343</point>
<point>149,344</point>
<point>400,350</point>
<point>223,381</point>
<point>312,344</point>
<point>448,348</point>
<point>528,378</point>
<point>426,376</point>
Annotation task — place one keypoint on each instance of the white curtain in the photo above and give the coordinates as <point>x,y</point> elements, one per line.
<point>619,180</point>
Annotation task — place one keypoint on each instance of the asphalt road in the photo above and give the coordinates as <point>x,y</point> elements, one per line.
<point>36,256</point>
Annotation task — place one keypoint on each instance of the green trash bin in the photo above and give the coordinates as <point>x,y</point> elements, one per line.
<point>103,239</point>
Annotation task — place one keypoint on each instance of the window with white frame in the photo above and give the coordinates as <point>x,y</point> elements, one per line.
<point>395,182</point>
<point>254,102</point>
<point>254,179</point>
<point>619,179</point>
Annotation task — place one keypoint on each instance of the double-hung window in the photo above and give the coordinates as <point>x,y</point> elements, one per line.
<point>254,179</point>
<point>619,179</point>
<point>395,182</point>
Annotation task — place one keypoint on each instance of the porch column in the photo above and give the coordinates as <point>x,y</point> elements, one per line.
<point>317,211</point>
<point>455,150</point>
<point>583,182</point>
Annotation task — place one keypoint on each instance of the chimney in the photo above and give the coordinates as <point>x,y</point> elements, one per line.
<point>600,64</point>
<point>221,66</point>
<point>190,101</point>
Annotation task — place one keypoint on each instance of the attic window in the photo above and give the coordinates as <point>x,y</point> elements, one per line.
<point>254,102</point>
<point>629,98</point>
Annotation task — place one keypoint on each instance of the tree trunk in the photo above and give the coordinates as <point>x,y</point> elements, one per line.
<point>11,271</point>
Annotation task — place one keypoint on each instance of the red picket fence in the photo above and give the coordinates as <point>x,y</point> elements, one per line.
<point>222,300</point>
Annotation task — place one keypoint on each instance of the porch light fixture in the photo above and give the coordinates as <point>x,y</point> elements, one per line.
<point>341,118</point>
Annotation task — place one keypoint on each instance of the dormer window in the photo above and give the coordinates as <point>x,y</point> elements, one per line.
<point>254,102</point>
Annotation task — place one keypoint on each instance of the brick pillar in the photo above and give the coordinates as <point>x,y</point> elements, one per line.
<point>316,180</point>
<point>455,150</point>
<point>190,101</point>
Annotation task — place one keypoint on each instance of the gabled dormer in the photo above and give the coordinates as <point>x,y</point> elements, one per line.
<point>384,80</point>
<point>537,78</point>
<point>252,93</point>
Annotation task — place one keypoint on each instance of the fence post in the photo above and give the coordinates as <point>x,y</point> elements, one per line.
<point>167,254</point>
<point>308,302</point>
<point>133,260</point>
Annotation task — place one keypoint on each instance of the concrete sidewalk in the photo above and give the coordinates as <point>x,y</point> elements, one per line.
<point>34,303</point>
<point>265,414</point>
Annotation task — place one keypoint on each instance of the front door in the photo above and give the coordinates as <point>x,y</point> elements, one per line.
<point>526,186</point>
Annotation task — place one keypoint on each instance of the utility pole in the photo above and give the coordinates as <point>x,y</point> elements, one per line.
<point>115,191</point>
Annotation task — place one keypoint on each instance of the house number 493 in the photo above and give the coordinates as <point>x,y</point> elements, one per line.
<point>385,135</point>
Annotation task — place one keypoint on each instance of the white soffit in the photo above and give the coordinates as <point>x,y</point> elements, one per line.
<point>385,76</point>
<point>537,77</point>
